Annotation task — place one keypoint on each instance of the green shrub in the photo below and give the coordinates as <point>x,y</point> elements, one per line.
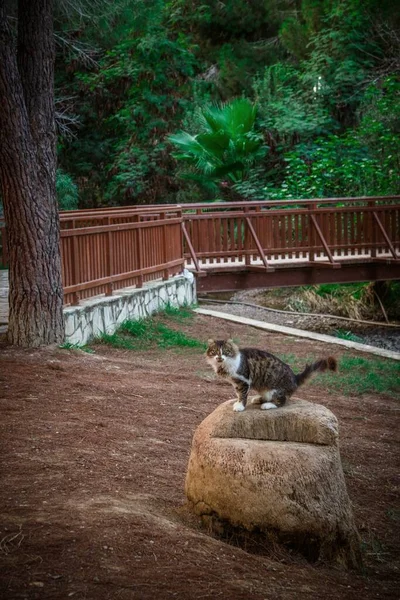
<point>67,191</point>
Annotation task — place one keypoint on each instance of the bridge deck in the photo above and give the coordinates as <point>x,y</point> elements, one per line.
<point>285,260</point>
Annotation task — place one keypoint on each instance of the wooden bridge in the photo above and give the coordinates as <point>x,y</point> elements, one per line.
<point>229,246</point>
<point>270,244</point>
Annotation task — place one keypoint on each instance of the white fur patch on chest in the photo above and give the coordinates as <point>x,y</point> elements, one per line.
<point>232,366</point>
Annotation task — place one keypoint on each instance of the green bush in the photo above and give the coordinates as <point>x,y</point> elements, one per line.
<point>226,147</point>
<point>67,191</point>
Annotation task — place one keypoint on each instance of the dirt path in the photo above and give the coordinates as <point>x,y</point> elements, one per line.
<point>94,452</point>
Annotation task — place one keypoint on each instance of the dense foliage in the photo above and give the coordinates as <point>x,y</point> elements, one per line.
<point>166,101</point>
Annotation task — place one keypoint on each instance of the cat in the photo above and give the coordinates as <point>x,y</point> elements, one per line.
<point>249,368</point>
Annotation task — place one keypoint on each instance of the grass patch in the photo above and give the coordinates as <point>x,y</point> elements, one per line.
<point>340,289</point>
<point>294,361</point>
<point>359,375</point>
<point>348,335</point>
<point>145,334</point>
<point>356,375</point>
<point>177,314</point>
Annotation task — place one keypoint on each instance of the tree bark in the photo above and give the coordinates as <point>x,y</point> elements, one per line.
<point>27,175</point>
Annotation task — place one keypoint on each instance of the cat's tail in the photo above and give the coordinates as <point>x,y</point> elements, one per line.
<point>329,364</point>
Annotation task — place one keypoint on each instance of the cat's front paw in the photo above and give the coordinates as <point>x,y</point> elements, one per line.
<point>238,406</point>
<point>268,405</point>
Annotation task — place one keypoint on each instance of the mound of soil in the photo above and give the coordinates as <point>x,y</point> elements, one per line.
<point>94,453</point>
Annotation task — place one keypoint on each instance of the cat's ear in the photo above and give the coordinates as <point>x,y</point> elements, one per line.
<point>210,342</point>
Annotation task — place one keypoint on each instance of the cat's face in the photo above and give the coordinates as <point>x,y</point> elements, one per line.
<point>219,350</point>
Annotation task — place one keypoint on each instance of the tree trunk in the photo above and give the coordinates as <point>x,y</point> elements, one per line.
<point>27,175</point>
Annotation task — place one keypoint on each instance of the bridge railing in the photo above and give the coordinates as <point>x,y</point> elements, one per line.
<point>93,217</point>
<point>263,233</point>
<point>312,228</point>
<point>102,258</point>
<point>114,251</point>
<point>111,248</point>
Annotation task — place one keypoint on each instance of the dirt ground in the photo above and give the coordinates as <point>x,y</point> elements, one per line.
<point>94,452</point>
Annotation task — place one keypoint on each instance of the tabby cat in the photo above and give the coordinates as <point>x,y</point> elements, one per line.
<point>249,368</point>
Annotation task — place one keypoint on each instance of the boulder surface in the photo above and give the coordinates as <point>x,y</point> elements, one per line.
<point>277,472</point>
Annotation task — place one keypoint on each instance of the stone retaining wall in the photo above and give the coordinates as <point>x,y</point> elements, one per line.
<point>105,314</point>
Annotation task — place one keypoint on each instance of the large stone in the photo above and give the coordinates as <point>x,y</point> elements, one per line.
<point>277,472</point>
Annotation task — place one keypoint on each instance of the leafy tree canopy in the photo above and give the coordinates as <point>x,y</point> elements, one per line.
<point>315,81</point>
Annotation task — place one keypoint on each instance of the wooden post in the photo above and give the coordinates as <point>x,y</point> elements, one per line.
<point>311,233</point>
<point>246,237</point>
<point>164,244</point>
<point>372,222</point>
<point>76,275</point>
<point>139,252</point>
<point>110,257</point>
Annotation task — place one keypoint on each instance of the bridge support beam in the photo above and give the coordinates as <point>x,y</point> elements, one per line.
<point>232,280</point>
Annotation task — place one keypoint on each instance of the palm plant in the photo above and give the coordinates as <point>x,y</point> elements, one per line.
<point>226,148</point>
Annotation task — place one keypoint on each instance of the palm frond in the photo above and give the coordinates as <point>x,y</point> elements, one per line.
<point>228,145</point>
<point>186,142</point>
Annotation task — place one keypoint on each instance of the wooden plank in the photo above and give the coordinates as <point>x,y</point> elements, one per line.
<point>324,264</point>
<point>217,237</point>
<point>76,275</point>
<point>139,254</point>
<point>225,238</point>
<point>164,246</point>
<point>289,232</point>
<point>311,235</point>
<point>247,243</point>
<point>371,230</point>
<point>197,234</point>
<point>332,229</point>
<point>171,208</point>
<point>115,227</point>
